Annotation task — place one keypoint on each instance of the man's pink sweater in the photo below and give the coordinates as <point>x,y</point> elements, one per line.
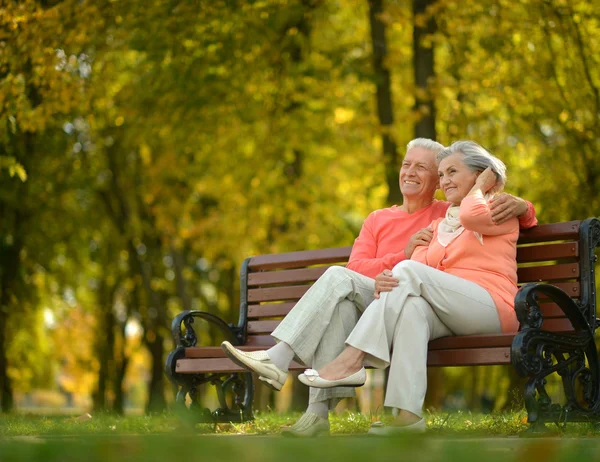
<point>384,235</point>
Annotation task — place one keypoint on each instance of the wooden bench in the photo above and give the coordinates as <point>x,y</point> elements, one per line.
<point>556,306</point>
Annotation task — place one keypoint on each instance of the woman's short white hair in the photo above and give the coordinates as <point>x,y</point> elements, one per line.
<point>477,159</point>
<point>425,143</point>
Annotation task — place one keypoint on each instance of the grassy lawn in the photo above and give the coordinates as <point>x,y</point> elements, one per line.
<point>459,436</point>
<point>347,423</point>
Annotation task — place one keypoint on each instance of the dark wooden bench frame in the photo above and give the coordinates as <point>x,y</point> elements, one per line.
<point>556,307</point>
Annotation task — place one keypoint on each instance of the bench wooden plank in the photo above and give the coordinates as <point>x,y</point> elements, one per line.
<point>262,341</point>
<point>216,365</point>
<point>300,259</point>
<point>547,252</point>
<point>296,292</point>
<point>287,276</point>
<point>560,324</point>
<point>470,357</point>
<point>568,230</point>
<point>444,343</point>
<point>529,274</point>
<point>550,310</point>
<point>461,357</point>
<point>270,310</point>
<point>548,273</point>
<point>277,293</point>
<point>262,327</point>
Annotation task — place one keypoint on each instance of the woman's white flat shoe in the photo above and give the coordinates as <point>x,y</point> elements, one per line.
<point>311,378</point>
<point>379,429</point>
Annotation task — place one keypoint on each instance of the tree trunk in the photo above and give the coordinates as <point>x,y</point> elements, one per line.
<point>423,63</point>
<point>121,369</point>
<point>105,345</point>
<point>156,387</point>
<point>10,269</point>
<point>385,110</point>
<point>6,392</point>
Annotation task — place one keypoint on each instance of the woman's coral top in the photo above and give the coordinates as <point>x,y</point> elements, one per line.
<point>492,265</point>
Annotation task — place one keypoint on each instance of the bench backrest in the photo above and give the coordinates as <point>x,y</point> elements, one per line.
<point>555,253</point>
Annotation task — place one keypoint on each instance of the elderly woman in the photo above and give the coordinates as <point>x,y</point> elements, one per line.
<point>316,329</point>
<point>462,283</point>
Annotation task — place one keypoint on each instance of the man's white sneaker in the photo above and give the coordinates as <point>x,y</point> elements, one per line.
<point>259,362</point>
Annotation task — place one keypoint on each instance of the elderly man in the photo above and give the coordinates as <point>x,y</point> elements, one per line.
<point>316,329</point>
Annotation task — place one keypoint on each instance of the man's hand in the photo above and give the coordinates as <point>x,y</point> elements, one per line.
<point>385,282</point>
<point>504,206</point>
<point>421,237</point>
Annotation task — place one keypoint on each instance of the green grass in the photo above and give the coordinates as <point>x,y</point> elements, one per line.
<point>460,436</point>
<point>267,423</point>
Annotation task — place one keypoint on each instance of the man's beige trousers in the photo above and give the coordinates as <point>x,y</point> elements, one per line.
<point>318,326</point>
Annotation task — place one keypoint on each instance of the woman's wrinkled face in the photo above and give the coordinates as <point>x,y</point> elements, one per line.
<point>456,180</point>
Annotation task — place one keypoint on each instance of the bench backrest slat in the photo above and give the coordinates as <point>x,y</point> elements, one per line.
<point>300,259</point>
<point>551,232</point>
<point>561,324</point>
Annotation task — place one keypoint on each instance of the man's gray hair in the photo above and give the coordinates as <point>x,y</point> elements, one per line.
<point>477,159</point>
<point>425,143</point>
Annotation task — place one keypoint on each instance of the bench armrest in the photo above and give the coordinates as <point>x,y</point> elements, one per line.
<point>186,318</point>
<point>530,314</point>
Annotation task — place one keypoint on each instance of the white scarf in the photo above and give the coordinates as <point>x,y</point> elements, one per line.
<point>450,227</point>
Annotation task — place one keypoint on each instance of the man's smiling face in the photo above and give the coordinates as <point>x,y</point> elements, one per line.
<point>418,174</point>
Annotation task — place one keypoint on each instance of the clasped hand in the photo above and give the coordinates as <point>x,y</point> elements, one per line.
<point>385,282</point>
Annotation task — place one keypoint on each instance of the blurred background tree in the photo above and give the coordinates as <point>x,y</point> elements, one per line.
<point>147,148</point>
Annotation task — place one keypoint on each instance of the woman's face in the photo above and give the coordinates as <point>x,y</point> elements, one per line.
<point>456,180</point>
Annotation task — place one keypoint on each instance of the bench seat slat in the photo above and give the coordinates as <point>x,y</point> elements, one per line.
<point>458,357</point>
<point>204,365</point>
<point>471,357</point>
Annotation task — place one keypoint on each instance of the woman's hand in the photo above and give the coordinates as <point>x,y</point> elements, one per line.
<point>421,237</point>
<point>385,282</point>
<point>486,180</point>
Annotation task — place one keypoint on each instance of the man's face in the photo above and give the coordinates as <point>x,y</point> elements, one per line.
<point>418,174</point>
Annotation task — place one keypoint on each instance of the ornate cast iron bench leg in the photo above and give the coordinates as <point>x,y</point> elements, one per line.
<point>537,354</point>
<point>235,391</point>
